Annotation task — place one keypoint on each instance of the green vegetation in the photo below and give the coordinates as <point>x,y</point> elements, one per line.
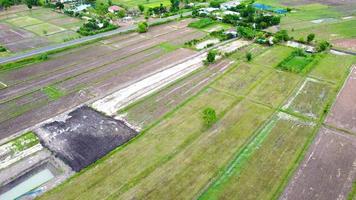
<point>209,117</point>
<point>52,92</point>
<point>246,120</point>
<point>261,171</point>
<point>211,56</point>
<point>142,27</point>
<point>93,27</point>
<point>25,141</point>
<point>168,47</point>
<point>201,23</point>
<point>352,194</point>
<point>2,49</point>
<point>248,56</point>
<point>297,62</point>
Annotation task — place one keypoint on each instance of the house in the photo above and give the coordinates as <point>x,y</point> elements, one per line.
<point>114,9</point>
<point>230,4</point>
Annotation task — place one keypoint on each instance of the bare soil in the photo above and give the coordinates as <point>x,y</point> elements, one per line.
<point>349,44</point>
<point>343,112</point>
<point>328,169</point>
<point>84,137</point>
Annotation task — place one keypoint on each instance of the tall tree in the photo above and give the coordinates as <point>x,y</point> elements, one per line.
<point>174,5</point>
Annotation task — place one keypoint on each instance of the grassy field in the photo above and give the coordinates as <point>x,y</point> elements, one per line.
<point>329,22</point>
<point>260,168</point>
<point>146,3</point>
<point>39,27</point>
<point>249,153</point>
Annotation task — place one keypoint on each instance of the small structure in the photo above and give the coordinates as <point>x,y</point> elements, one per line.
<point>114,9</point>
<point>228,12</point>
<point>207,11</point>
<point>230,4</point>
<point>232,33</point>
<point>80,8</point>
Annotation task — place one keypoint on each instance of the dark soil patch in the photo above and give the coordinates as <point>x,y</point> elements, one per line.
<point>84,137</point>
<point>328,169</point>
<point>343,112</point>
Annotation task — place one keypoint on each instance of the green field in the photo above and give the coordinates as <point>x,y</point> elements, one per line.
<point>146,3</point>
<point>249,153</point>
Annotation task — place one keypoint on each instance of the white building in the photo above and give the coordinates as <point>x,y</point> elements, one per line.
<point>230,4</point>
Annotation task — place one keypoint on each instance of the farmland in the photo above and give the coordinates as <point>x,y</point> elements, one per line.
<point>330,20</point>
<point>180,111</point>
<point>22,30</point>
<point>254,126</point>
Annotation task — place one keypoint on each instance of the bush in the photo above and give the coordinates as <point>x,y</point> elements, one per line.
<point>201,23</point>
<point>310,37</point>
<point>209,117</point>
<point>246,32</point>
<point>248,56</point>
<point>142,27</point>
<point>92,27</point>
<point>323,46</point>
<point>211,56</point>
<point>2,49</point>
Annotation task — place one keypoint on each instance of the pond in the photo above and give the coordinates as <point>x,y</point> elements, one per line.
<point>26,186</point>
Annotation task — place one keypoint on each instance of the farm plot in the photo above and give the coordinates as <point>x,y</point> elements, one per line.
<point>147,4</point>
<point>241,80</point>
<point>37,28</point>
<point>159,143</point>
<point>16,39</point>
<point>149,110</point>
<point>332,67</point>
<point>342,114</point>
<point>202,159</point>
<point>260,169</point>
<point>310,99</point>
<point>275,88</point>
<point>86,72</point>
<point>273,57</point>
<point>328,169</point>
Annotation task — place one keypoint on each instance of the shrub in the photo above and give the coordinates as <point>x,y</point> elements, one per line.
<point>310,37</point>
<point>323,46</point>
<point>2,49</point>
<point>211,56</point>
<point>246,32</point>
<point>248,56</point>
<point>142,27</point>
<point>209,117</point>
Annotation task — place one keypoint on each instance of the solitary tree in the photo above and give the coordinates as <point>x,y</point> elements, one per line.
<point>209,117</point>
<point>141,8</point>
<point>323,45</point>
<point>142,27</point>
<point>310,37</point>
<point>249,56</point>
<point>211,56</point>
<point>174,5</point>
<point>5,4</point>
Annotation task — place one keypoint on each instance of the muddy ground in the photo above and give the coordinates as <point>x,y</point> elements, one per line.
<point>328,169</point>
<point>84,136</point>
<point>343,112</point>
